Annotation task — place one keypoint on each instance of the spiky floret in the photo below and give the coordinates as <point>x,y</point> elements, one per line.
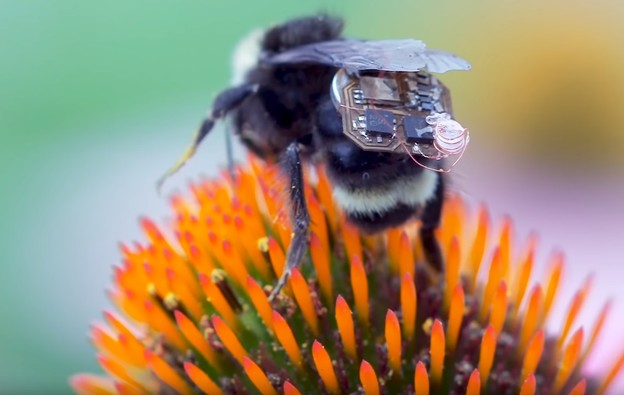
<point>363,314</point>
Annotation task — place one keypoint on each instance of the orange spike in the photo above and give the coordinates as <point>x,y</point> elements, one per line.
<point>290,389</point>
<point>393,341</point>
<point>218,301</point>
<point>321,261</point>
<point>258,377</point>
<point>324,191</point>
<point>531,318</point>
<point>229,339</point>
<point>504,245</point>
<point>393,237</point>
<point>492,284</point>
<point>405,255</point>
<point>478,247</point>
<point>615,371</point>
<point>351,239</point>
<point>499,308</point>
<point>598,326</point>
<point>533,355</point>
<point>117,370</point>
<point>344,319</point>
<point>260,302</point>
<point>453,260</point>
<point>304,300</point>
<point>181,291</point>
<point>421,379</point>
<point>409,301</point>
<point>437,347</point>
<point>196,339</point>
<point>124,388</point>
<point>452,219</point>
<point>89,384</point>
<point>159,321</point>
<point>579,388</point>
<point>278,259</point>
<point>488,348</point>
<point>528,386</point>
<point>201,380</point>
<point>318,226</point>
<point>522,276</point>
<point>368,378</point>
<point>568,361</point>
<point>108,345</point>
<point>575,307</point>
<point>325,368</point>
<point>456,316</point>
<point>474,383</point>
<point>167,374</point>
<point>233,264</point>
<point>286,338</point>
<point>359,285</point>
<point>553,285</point>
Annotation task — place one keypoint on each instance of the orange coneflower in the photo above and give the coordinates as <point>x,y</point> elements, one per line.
<point>366,316</point>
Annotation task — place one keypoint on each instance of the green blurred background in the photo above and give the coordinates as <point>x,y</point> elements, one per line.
<point>98,98</point>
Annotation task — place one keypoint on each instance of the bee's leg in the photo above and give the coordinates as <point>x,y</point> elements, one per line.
<point>226,101</point>
<point>299,215</point>
<point>430,222</point>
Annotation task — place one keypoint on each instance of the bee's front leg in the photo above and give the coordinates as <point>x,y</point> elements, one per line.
<point>299,215</point>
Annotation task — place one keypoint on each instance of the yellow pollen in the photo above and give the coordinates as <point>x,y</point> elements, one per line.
<point>368,378</point>
<point>344,320</point>
<point>263,244</point>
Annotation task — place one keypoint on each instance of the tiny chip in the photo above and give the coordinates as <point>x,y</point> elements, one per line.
<point>417,130</point>
<point>380,121</point>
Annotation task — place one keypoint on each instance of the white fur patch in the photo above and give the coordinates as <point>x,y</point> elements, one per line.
<point>245,56</point>
<point>412,191</point>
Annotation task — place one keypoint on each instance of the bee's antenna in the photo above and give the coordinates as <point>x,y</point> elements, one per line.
<point>226,101</point>
<point>188,154</point>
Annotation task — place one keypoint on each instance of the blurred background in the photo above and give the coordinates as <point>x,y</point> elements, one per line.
<point>98,98</point>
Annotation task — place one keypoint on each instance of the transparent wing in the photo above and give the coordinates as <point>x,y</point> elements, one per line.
<point>389,55</point>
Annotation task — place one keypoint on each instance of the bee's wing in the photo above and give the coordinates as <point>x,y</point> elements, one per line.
<point>388,55</point>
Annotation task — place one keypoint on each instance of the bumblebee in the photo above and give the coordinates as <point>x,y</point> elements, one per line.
<point>370,111</point>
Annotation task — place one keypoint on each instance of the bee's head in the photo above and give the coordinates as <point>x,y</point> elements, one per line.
<point>302,31</point>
